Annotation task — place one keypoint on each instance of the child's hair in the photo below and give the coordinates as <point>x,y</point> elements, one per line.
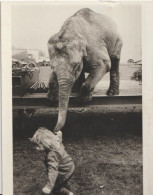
<point>48,139</point>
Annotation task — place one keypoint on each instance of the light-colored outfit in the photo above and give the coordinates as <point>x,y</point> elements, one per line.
<point>59,166</point>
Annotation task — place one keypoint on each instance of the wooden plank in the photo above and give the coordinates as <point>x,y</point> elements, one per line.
<point>33,102</point>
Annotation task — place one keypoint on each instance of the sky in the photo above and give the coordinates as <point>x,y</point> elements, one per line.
<point>33,25</point>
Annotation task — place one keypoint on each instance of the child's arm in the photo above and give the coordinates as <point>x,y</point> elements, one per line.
<point>52,169</point>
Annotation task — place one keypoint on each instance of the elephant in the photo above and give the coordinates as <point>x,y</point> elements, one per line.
<point>88,42</point>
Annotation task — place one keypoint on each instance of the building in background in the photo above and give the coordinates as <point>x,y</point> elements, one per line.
<point>34,54</point>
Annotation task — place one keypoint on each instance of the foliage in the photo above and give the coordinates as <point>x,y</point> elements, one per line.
<point>137,75</point>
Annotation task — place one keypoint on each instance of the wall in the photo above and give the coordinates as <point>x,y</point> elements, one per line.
<point>129,25</point>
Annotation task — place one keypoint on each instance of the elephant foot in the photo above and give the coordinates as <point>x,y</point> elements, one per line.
<point>85,95</point>
<point>85,99</point>
<point>52,97</point>
<point>112,92</point>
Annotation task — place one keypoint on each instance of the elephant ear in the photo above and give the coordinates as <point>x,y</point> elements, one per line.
<point>83,44</point>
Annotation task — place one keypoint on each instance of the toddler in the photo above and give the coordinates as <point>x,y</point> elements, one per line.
<point>59,164</point>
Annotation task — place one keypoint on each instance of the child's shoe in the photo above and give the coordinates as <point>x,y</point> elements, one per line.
<point>46,190</point>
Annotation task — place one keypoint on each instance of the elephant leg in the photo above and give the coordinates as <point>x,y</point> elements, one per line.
<point>114,77</point>
<point>53,87</point>
<point>114,71</point>
<point>78,83</point>
<point>93,78</point>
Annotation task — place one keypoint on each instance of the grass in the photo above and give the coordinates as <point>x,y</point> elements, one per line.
<point>114,163</point>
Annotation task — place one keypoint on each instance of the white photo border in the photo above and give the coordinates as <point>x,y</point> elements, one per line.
<point>147,61</point>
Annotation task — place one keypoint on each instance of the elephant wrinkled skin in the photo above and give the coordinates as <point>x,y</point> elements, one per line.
<point>87,42</point>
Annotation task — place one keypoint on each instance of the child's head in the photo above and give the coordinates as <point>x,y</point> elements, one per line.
<point>46,140</point>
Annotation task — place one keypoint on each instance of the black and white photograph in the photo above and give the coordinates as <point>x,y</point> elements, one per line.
<point>77,112</point>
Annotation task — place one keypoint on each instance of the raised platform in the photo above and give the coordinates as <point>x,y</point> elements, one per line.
<point>130,92</point>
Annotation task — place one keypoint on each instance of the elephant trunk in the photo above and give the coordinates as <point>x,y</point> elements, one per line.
<point>65,86</point>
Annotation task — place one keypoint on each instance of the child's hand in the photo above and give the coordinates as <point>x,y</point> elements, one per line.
<point>59,133</point>
<point>46,190</point>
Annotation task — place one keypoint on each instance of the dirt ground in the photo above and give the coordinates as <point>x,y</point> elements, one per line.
<point>106,149</point>
<point>112,162</point>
